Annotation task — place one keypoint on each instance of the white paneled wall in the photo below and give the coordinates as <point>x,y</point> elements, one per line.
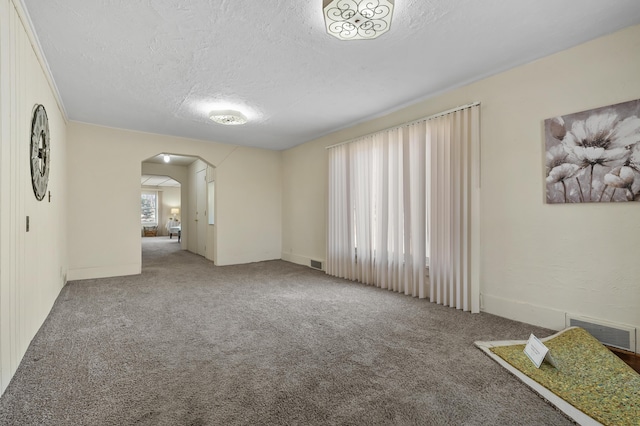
<point>33,265</point>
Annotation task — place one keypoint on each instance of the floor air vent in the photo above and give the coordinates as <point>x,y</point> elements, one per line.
<point>616,335</point>
<point>316,264</point>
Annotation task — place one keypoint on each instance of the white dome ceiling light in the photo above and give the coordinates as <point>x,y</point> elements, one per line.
<point>358,19</point>
<point>228,117</point>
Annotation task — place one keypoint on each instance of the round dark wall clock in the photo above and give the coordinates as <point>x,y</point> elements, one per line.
<point>40,150</point>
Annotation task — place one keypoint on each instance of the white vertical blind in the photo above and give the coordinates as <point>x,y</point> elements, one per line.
<point>402,195</point>
<point>377,208</point>
<point>341,257</point>
<point>453,140</point>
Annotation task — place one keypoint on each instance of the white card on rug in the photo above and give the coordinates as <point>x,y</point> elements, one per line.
<point>535,350</point>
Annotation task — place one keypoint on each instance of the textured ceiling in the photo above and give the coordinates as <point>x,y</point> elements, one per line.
<point>153,180</point>
<point>161,66</point>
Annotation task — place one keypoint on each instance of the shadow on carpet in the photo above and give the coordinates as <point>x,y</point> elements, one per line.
<point>591,385</point>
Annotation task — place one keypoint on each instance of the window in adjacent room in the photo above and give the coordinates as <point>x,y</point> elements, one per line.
<point>149,208</point>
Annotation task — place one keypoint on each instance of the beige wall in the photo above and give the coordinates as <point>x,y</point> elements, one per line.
<point>100,158</point>
<point>538,261</point>
<point>170,199</point>
<point>33,265</point>
<point>251,227</point>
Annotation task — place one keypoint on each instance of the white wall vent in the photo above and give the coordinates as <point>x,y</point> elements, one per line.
<point>609,333</point>
<point>316,264</point>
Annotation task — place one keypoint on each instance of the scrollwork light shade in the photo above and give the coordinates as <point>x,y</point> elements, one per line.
<point>358,19</point>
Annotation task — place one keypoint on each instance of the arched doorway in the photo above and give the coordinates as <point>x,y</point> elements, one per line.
<point>196,210</point>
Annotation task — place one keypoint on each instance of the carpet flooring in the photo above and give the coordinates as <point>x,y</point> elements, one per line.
<point>269,343</point>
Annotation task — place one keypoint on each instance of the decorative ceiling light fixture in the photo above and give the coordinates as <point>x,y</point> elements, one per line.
<point>358,19</point>
<point>166,158</point>
<point>228,117</point>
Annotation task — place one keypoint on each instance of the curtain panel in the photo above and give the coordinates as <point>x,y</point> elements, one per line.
<point>403,200</point>
<point>377,210</point>
<point>453,146</point>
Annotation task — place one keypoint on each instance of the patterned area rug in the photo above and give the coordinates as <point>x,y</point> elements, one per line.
<point>591,385</point>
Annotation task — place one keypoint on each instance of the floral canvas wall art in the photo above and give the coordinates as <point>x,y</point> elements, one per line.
<point>594,156</point>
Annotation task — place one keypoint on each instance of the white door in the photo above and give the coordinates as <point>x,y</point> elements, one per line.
<point>201,211</point>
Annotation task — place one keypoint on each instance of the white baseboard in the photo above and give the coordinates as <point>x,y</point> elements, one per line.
<point>541,316</point>
<point>237,260</point>
<point>300,260</point>
<point>104,272</point>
